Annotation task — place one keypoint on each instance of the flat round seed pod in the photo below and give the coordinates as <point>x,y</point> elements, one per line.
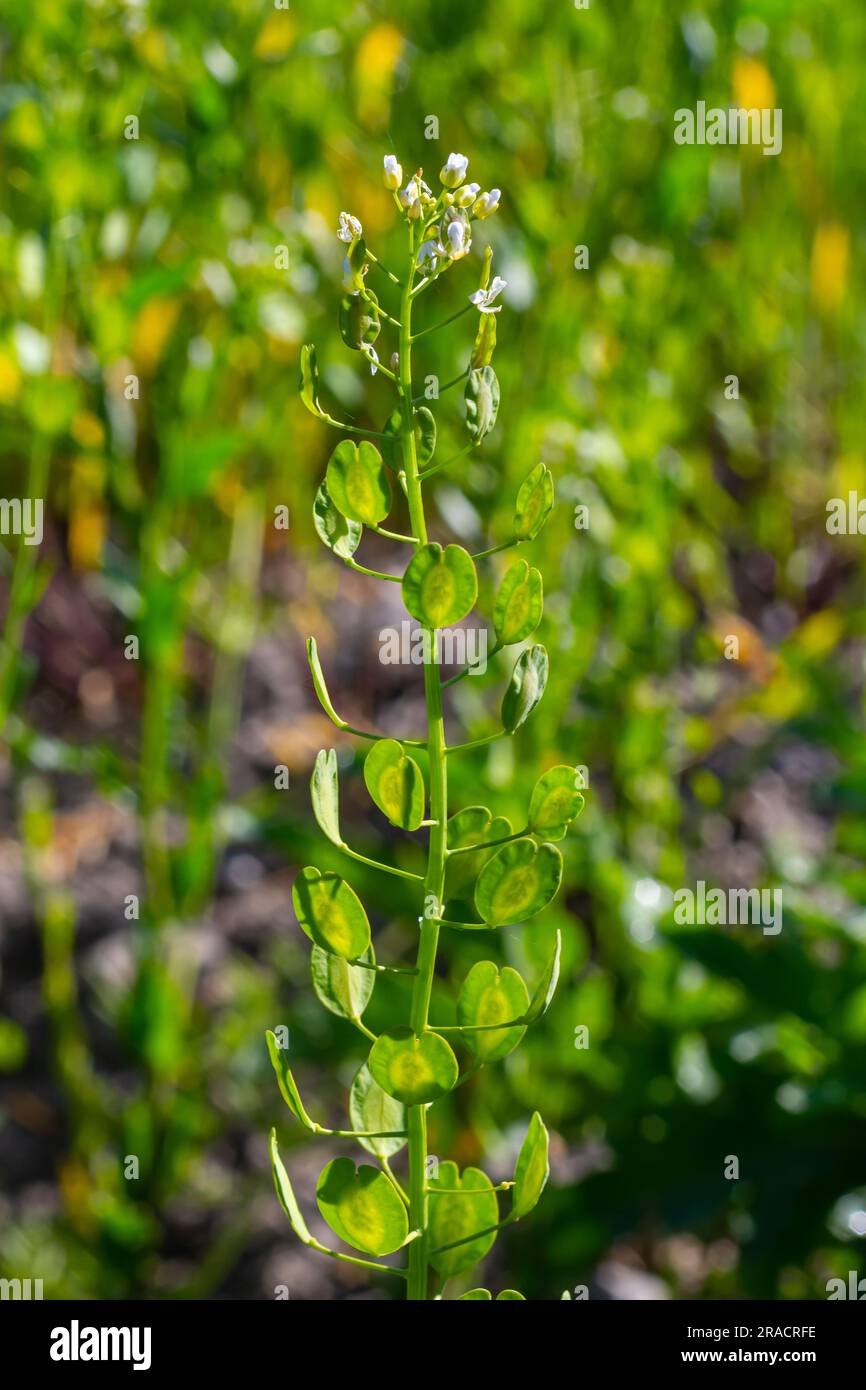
<point>358,483</point>
<point>359,319</point>
<point>526,687</point>
<point>482,402</point>
<point>532,1169</point>
<point>325,794</point>
<point>411,1069</point>
<point>471,826</point>
<point>425,437</point>
<point>454,1215</point>
<point>309,383</point>
<point>534,503</point>
<point>396,784</point>
<point>285,1192</point>
<point>555,802</point>
<point>546,987</point>
<point>336,531</point>
<point>440,586</point>
<point>489,996</point>
<point>476,1296</point>
<point>331,914</point>
<point>510,1296</point>
<point>372,1109</point>
<point>519,880</point>
<point>343,988</point>
<point>519,604</point>
<point>361,1207</point>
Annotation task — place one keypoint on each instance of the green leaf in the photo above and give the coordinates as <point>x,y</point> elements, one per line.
<point>338,533</point>
<point>534,503</point>
<point>555,802</point>
<point>440,586</point>
<point>309,383</point>
<point>286,1082</point>
<point>325,794</point>
<point>319,681</point>
<point>424,426</point>
<point>395,783</point>
<point>485,341</point>
<point>526,687</point>
<point>414,1070</point>
<point>471,826</point>
<point>359,319</point>
<point>454,1215</point>
<point>546,987</point>
<point>482,402</point>
<point>288,1201</point>
<point>520,880</point>
<point>343,988</point>
<point>358,482</point>
<point>361,1207</point>
<point>357,259</point>
<point>372,1109</point>
<point>476,1296</point>
<point>510,1296</point>
<point>532,1169</point>
<point>488,996</point>
<point>519,604</point>
<point>330,913</point>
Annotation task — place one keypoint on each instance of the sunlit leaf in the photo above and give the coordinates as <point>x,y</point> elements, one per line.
<point>325,794</point>
<point>338,533</point>
<point>330,913</point>
<point>488,996</point>
<point>518,882</point>
<point>309,383</point>
<point>361,1207</point>
<point>532,1169</point>
<point>285,1080</point>
<point>454,1215</point>
<point>415,1070</point>
<point>546,987</point>
<point>440,586</point>
<point>371,1109</point>
<point>555,802</point>
<point>395,783</point>
<point>288,1201</point>
<point>519,604</point>
<point>534,503</point>
<point>359,319</point>
<point>358,482</point>
<point>526,687</point>
<point>471,826</point>
<point>343,988</point>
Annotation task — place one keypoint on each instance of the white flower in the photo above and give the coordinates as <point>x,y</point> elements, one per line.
<point>487,203</point>
<point>483,299</point>
<point>410,201</point>
<point>372,357</point>
<point>467,195</point>
<point>349,227</point>
<point>429,251</point>
<point>393,173</point>
<point>453,171</point>
<point>458,240</point>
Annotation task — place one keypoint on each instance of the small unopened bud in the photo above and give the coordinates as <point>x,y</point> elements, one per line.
<point>466,195</point>
<point>453,171</point>
<point>395,362</point>
<point>393,173</point>
<point>487,203</point>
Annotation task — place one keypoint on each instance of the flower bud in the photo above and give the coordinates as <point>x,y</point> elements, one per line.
<point>487,203</point>
<point>393,173</point>
<point>467,195</point>
<point>395,362</point>
<point>410,201</point>
<point>349,228</point>
<point>453,171</point>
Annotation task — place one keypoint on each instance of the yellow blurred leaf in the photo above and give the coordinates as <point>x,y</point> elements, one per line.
<point>276,37</point>
<point>375,62</point>
<point>10,379</point>
<point>155,321</point>
<point>753,85</point>
<point>820,633</point>
<point>830,251</point>
<point>86,429</point>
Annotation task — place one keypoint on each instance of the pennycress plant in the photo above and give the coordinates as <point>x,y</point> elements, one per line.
<point>480,873</point>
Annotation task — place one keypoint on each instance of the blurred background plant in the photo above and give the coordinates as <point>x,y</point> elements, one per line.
<point>154,294</point>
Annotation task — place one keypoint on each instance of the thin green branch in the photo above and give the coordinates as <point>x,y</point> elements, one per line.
<point>393,1181</point>
<point>353,1259</point>
<point>393,535</point>
<point>373,574</point>
<point>468,670</point>
<point>447,387</point>
<point>384,269</point>
<point>351,429</point>
<point>476,1235</point>
<point>444,324</point>
<point>374,863</point>
<point>490,844</point>
<point>477,742</point>
<point>446,463</point>
<point>495,549</point>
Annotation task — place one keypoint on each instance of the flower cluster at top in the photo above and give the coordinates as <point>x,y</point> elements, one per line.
<point>446,230</point>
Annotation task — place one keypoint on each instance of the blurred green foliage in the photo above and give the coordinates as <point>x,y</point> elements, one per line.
<point>156,258</point>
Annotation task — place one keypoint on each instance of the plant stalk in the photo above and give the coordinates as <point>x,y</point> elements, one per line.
<point>435,876</point>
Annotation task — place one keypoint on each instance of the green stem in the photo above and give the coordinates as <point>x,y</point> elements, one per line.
<point>495,549</point>
<point>435,876</point>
